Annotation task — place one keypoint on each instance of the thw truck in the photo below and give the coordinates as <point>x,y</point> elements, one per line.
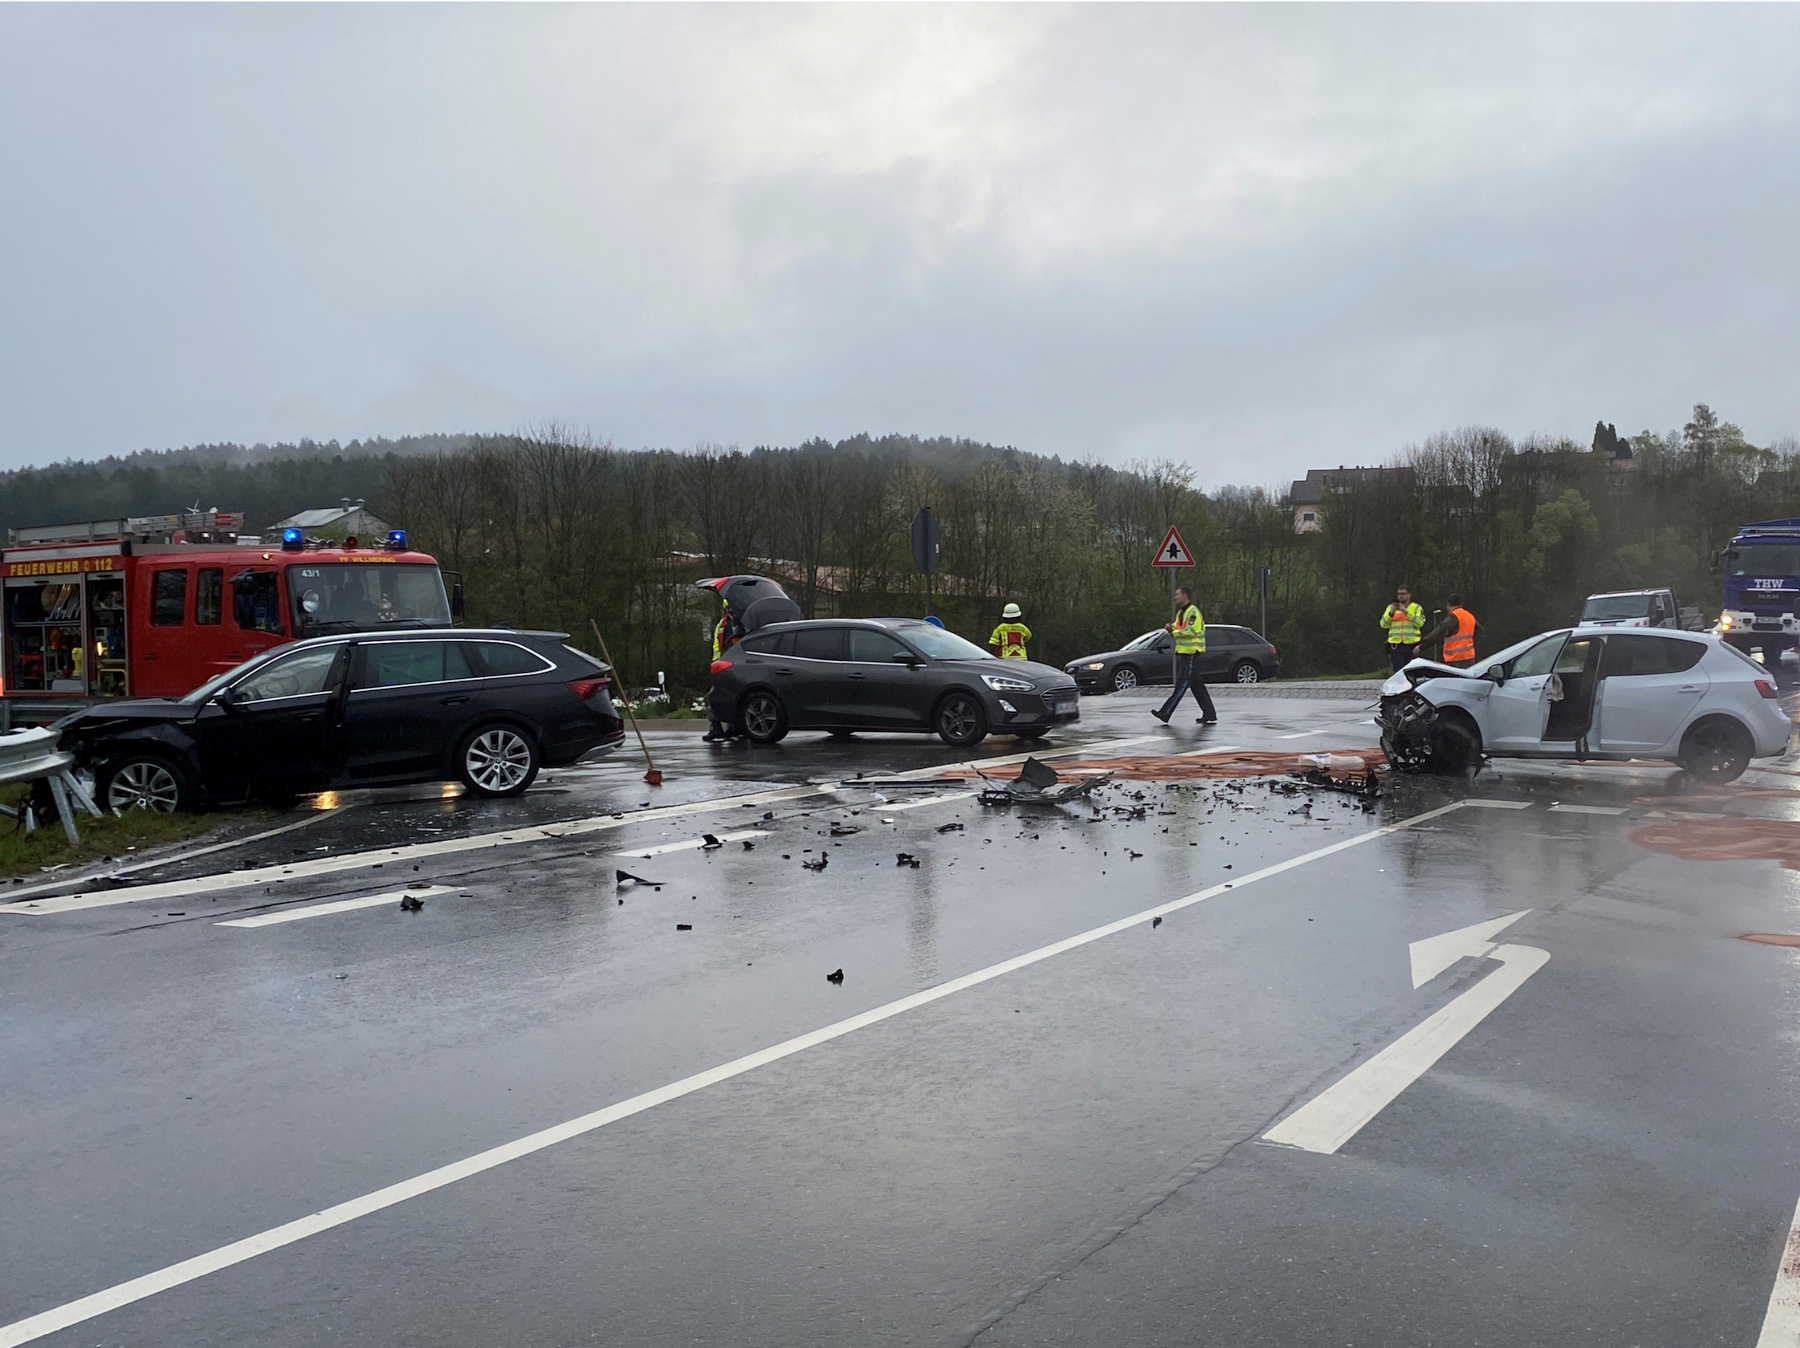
<point>1761,602</point>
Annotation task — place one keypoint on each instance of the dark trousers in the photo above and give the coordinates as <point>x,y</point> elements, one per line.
<point>1399,653</point>
<point>1186,678</point>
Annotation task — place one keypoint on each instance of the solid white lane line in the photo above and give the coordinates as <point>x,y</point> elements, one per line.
<point>340,906</point>
<point>1781,1322</point>
<point>1215,749</point>
<point>929,800</point>
<point>693,844</point>
<point>1332,1118</point>
<point>147,1285</point>
<point>1589,809</point>
<point>1498,804</point>
<point>177,857</point>
<point>349,861</point>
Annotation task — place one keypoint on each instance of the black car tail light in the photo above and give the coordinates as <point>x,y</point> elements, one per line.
<point>719,666</point>
<point>588,687</point>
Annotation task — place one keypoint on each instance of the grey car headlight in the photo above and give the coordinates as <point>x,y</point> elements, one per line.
<point>1098,664</point>
<point>1000,683</point>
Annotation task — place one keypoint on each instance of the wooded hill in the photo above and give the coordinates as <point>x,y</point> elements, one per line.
<point>551,528</point>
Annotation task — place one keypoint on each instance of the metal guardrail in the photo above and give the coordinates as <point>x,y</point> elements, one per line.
<point>32,755</point>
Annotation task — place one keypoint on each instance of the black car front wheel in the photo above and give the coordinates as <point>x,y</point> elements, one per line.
<point>1124,677</point>
<point>763,717</point>
<point>961,721</point>
<point>497,760</point>
<point>144,782</point>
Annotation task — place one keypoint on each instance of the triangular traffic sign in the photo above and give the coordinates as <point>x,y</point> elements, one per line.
<point>1173,551</point>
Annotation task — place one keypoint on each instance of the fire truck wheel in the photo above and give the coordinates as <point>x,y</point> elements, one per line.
<point>145,782</point>
<point>497,760</point>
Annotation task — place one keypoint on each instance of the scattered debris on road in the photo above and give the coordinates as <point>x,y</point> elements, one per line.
<point>684,926</point>
<point>950,828</point>
<point>819,865</point>
<point>1036,784</point>
<point>906,859</point>
<point>411,904</point>
<point>836,976</point>
<point>625,880</point>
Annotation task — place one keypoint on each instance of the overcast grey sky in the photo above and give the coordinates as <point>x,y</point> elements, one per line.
<point>1256,239</point>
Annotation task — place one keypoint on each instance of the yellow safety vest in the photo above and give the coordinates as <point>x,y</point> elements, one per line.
<point>1190,632</point>
<point>1011,639</point>
<point>719,630</point>
<point>1403,625</point>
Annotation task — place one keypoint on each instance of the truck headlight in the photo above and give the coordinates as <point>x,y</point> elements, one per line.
<point>1000,683</point>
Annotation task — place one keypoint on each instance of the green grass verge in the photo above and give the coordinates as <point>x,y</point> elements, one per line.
<point>23,853</point>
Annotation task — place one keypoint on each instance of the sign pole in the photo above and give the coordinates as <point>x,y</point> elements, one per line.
<point>1174,656</point>
<point>1171,553</point>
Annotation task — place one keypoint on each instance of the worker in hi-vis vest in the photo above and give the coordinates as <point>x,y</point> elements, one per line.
<point>1404,623</point>
<point>724,637</point>
<point>1189,628</point>
<point>1458,632</point>
<point>1008,641</point>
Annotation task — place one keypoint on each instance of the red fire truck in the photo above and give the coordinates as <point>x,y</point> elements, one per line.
<point>157,605</point>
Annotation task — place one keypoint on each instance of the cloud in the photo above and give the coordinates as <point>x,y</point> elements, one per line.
<point>1257,238</point>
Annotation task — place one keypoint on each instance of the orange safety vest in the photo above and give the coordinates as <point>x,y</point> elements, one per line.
<point>1459,646</point>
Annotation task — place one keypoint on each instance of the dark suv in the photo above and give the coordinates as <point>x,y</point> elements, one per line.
<point>486,707</point>
<point>846,675</point>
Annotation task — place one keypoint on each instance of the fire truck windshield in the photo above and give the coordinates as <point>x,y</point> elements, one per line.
<point>353,596</point>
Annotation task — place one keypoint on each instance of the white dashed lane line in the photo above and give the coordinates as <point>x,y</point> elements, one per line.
<point>692,844</point>
<point>341,906</point>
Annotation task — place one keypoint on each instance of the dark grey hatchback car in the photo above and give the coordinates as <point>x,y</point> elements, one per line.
<point>486,707</point>
<point>845,675</point>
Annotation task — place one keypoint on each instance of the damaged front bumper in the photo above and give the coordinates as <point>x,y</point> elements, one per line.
<point>1408,729</point>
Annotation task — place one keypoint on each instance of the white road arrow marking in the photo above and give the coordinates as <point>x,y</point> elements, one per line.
<point>1339,1113</point>
<point>1435,954</point>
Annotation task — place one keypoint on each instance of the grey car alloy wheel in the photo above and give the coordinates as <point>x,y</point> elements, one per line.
<point>143,785</point>
<point>1246,672</point>
<point>1123,678</point>
<point>498,760</point>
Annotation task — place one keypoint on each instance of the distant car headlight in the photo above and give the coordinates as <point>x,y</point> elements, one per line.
<point>1098,664</point>
<point>1725,623</point>
<point>1001,684</point>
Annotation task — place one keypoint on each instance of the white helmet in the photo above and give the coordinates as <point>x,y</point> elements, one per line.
<point>1010,611</point>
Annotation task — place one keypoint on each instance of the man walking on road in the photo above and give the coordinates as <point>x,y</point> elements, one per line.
<point>1404,623</point>
<point>1458,632</point>
<point>1008,641</point>
<point>1189,628</point>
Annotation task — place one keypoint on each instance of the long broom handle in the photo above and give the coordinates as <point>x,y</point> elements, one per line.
<point>626,700</point>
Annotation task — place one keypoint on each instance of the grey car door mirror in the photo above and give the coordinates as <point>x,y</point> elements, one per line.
<point>906,658</point>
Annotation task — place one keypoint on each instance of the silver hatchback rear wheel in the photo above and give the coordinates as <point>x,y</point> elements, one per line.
<point>497,760</point>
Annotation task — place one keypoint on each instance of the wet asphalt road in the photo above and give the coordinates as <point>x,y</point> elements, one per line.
<point>1065,1153</point>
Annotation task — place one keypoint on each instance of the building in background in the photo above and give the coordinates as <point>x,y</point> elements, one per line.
<point>1309,496</point>
<point>351,519</point>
